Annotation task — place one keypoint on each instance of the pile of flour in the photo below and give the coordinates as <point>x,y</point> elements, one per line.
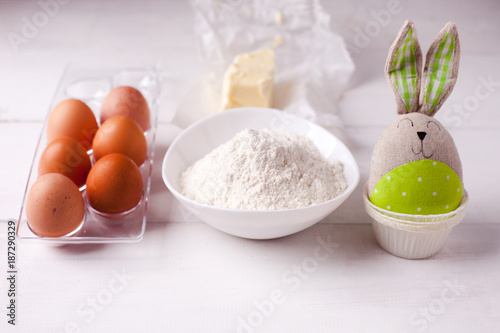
<point>264,170</point>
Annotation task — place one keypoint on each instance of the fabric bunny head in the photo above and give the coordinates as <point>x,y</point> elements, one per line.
<point>415,166</point>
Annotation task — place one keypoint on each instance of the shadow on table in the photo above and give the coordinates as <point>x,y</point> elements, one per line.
<point>157,184</point>
<point>347,241</point>
<point>82,248</point>
<point>473,240</point>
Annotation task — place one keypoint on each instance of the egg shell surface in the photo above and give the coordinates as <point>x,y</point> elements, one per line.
<point>72,118</point>
<point>114,184</point>
<point>66,156</point>
<point>54,206</point>
<point>126,101</point>
<point>122,135</point>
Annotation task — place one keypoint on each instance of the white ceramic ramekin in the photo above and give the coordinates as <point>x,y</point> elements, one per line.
<point>412,236</point>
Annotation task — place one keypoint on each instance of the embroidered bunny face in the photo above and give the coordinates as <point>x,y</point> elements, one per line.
<point>415,165</point>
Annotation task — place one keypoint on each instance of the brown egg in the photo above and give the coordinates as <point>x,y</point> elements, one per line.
<point>54,206</point>
<point>114,184</point>
<point>126,101</point>
<point>66,156</point>
<point>74,119</point>
<point>121,135</point>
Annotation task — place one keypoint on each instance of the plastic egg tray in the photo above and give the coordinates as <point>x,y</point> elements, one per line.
<point>91,85</point>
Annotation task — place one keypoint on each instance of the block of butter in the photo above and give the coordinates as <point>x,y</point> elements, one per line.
<point>249,80</point>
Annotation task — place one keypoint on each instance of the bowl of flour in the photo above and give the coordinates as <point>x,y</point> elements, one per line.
<point>259,173</point>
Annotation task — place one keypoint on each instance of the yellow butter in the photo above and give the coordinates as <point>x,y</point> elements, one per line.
<point>249,80</point>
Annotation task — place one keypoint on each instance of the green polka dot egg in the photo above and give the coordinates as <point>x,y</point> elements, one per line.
<point>415,168</point>
<point>421,187</point>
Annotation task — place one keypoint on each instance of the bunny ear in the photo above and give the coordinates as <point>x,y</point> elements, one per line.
<point>440,70</point>
<point>403,69</point>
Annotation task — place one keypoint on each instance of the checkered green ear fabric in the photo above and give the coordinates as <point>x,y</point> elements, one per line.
<point>403,69</point>
<point>441,69</point>
<point>404,72</point>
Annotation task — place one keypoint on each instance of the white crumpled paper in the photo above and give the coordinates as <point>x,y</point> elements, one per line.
<point>312,63</point>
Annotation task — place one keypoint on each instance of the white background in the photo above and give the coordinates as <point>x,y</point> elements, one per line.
<point>187,277</point>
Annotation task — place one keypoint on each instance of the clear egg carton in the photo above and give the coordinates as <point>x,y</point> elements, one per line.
<point>91,85</point>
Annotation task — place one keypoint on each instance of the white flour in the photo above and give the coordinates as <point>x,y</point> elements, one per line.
<point>264,170</point>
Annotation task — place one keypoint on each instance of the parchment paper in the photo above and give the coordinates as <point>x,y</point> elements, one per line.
<point>312,63</point>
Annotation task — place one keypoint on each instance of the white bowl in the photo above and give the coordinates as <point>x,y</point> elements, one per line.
<point>412,236</point>
<point>207,134</point>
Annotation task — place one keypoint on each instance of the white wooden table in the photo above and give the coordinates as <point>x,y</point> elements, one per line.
<point>184,276</point>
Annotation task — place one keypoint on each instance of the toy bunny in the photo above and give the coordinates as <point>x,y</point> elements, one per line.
<point>415,167</point>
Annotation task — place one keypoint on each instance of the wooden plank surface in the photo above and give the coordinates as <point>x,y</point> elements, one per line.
<point>187,277</point>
